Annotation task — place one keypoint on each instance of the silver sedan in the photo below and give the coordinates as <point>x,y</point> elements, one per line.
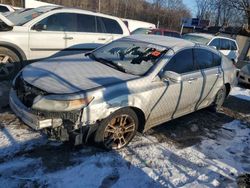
<point>128,85</point>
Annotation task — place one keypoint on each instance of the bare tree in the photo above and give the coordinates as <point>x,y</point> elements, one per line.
<point>244,6</point>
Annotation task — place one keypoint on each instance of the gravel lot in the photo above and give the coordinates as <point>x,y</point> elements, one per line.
<point>203,149</point>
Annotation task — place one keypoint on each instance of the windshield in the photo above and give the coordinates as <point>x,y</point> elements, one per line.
<point>129,56</point>
<point>26,15</point>
<point>195,38</point>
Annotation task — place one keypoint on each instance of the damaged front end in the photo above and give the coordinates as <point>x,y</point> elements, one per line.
<point>61,120</point>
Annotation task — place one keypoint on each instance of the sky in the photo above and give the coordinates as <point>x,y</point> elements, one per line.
<point>191,5</point>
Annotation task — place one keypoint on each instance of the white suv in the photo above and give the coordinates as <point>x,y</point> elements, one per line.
<point>226,46</point>
<point>46,31</point>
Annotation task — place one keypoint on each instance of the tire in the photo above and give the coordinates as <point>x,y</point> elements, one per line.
<point>219,99</point>
<point>9,64</point>
<point>117,130</point>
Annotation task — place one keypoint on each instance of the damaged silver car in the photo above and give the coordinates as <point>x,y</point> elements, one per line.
<point>128,85</point>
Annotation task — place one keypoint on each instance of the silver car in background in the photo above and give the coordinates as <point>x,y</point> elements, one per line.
<point>128,85</point>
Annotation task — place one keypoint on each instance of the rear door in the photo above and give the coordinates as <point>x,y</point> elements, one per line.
<point>85,35</point>
<point>209,64</point>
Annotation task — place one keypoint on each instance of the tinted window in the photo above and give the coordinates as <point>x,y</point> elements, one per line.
<point>216,43</point>
<point>4,9</point>
<point>203,58</point>
<point>216,60</point>
<point>171,34</point>
<point>60,22</point>
<point>182,62</point>
<point>111,26</point>
<point>233,45</point>
<point>177,35</point>
<point>157,33</point>
<point>224,44</point>
<point>167,33</point>
<point>86,23</point>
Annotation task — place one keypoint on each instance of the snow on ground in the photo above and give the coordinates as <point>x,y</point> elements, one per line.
<point>241,93</point>
<point>15,138</point>
<point>220,155</point>
<point>144,163</point>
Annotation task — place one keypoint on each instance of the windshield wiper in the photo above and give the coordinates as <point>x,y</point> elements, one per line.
<point>107,62</point>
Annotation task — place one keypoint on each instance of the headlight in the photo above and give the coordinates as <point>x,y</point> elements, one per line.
<point>42,103</point>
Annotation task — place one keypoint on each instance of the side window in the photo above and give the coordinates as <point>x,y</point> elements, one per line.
<point>157,33</point>
<point>224,44</point>
<point>216,43</point>
<point>181,63</point>
<point>4,9</point>
<point>167,34</point>
<point>60,22</point>
<point>203,58</point>
<point>216,60</point>
<point>86,23</point>
<point>233,45</point>
<point>177,35</point>
<point>111,26</point>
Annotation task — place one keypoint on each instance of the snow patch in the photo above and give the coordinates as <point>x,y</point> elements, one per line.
<point>241,93</point>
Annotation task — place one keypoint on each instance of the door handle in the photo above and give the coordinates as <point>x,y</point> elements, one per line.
<point>102,39</point>
<point>190,80</point>
<point>218,74</point>
<point>68,38</point>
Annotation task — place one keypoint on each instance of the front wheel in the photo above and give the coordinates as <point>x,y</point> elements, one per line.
<point>9,64</point>
<point>116,131</point>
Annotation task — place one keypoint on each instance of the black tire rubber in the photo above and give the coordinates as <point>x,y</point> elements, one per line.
<point>15,59</point>
<point>99,134</point>
<point>219,99</point>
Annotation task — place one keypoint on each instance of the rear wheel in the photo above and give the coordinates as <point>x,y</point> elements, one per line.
<point>220,98</point>
<point>9,64</point>
<point>116,131</point>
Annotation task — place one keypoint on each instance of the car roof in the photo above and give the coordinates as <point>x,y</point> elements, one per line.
<point>167,30</point>
<point>205,35</point>
<point>76,10</point>
<point>168,42</point>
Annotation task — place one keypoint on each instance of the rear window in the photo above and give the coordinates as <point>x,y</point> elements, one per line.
<point>4,9</point>
<point>203,58</point>
<point>86,23</point>
<point>106,25</point>
<point>233,45</point>
<point>225,44</point>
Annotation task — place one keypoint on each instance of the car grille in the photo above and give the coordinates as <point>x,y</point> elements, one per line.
<point>26,92</point>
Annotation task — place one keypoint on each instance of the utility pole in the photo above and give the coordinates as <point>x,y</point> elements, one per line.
<point>99,6</point>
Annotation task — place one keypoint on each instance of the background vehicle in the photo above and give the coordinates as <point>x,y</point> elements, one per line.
<point>227,46</point>
<point>244,75</point>
<point>135,24</point>
<point>46,31</point>
<point>131,84</point>
<point>6,8</point>
<point>165,32</point>
<point>144,31</point>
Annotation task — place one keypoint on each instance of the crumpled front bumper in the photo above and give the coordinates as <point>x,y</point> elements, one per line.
<point>25,113</point>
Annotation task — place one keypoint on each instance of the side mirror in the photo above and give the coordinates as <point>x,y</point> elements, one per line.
<point>214,47</point>
<point>40,27</point>
<point>171,76</point>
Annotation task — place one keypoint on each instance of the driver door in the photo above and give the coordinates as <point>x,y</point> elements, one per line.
<point>48,36</point>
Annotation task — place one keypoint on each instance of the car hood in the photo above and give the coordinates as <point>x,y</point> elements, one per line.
<point>71,74</point>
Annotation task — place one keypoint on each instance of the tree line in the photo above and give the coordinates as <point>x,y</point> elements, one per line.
<point>225,12</point>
